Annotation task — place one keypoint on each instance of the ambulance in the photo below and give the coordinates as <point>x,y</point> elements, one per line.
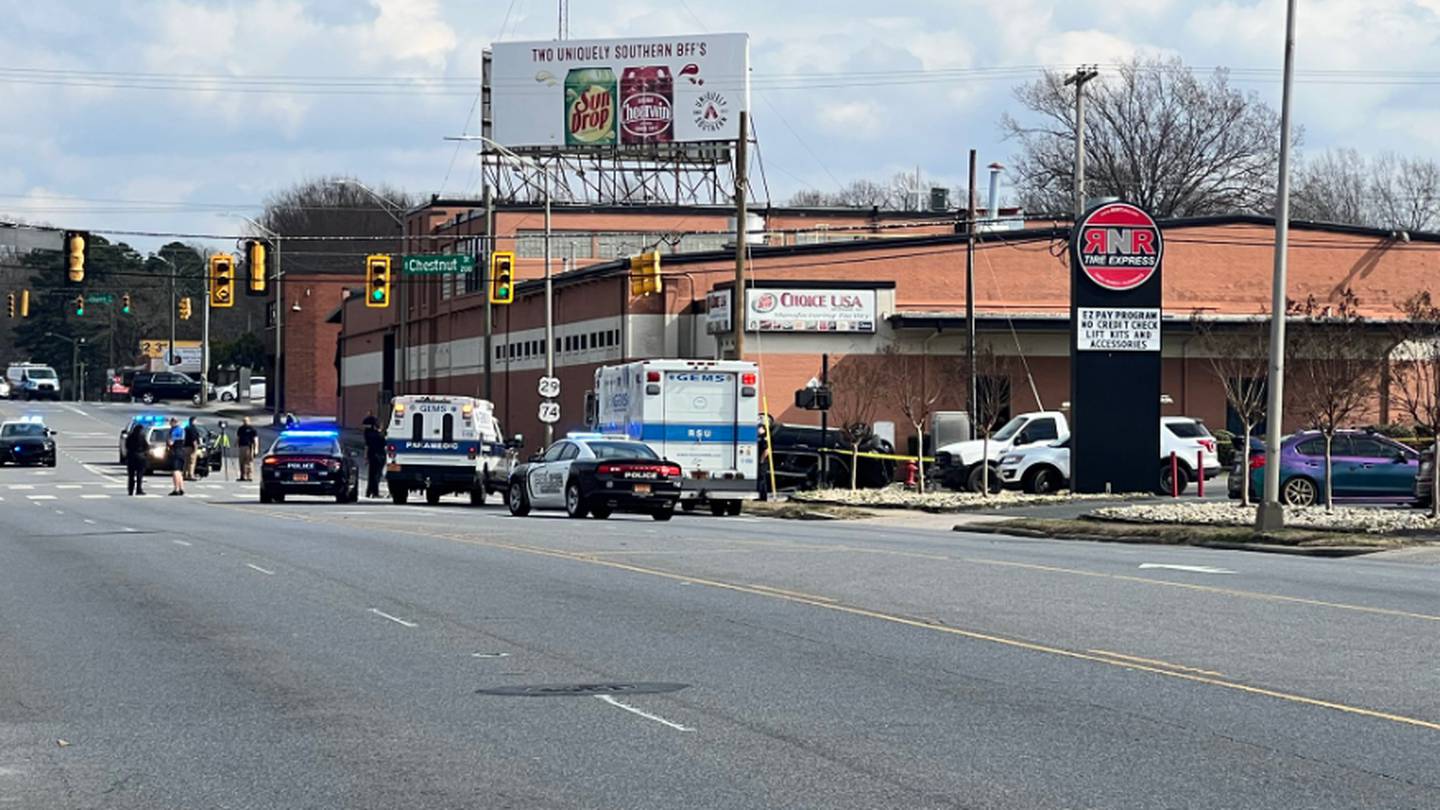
<point>702,414</point>
<point>443,445</point>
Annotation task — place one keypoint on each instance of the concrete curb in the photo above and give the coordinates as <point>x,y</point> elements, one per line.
<point>1263,548</point>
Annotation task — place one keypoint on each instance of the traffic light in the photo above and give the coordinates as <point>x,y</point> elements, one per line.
<point>125,303</point>
<point>502,277</point>
<point>11,299</point>
<point>24,303</point>
<point>255,258</point>
<point>185,308</point>
<point>77,250</point>
<point>377,281</point>
<point>645,274</point>
<point>79,305</point>
<point>222,281</point>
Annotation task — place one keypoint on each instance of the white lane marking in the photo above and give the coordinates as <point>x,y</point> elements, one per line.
<point>91,522</point>
<point>67,486</point>
<point>45,473</point>
<point>197,494</point>
<point>176,542</point>
<point>93,497</point>
<point>59,511</point>
<point>1194,569</point>
<point>213,486</point>
<point>126,528</point>
<point>489,655</point>
<point>648,716</point>
<point>112,486</point>
<point>382,614</point>
<point>74,409</point>
<point>41,497</point>
<point>22,486</point>
<point>266,572</point>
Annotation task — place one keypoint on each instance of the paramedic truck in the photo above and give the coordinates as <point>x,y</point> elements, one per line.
<point>441,445</point>
<point>702,414</point>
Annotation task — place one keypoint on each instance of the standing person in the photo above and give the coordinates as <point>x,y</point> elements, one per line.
<point>374,455</point>
<point>137,446</point>
<point>249,443</point>
<point>192,448</point>
<point>177,457</point>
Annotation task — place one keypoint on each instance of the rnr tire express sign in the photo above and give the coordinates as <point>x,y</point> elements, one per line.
<point>1116,253</point>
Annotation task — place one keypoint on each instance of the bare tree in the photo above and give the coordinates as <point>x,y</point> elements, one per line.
<point>1334,369</point>
<point>855,383</point>
<point>1387,191</point>
<point>1416,378</point>
<point>914,383</point>
<point>334,206</point>
<point>1239,356</point>
<point>992,401</point>
<point>809,198</point>
<point>1155,134</point>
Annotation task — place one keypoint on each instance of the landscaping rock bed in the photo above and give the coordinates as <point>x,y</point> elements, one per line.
<point>1369,520</point>
<point>898,497</point>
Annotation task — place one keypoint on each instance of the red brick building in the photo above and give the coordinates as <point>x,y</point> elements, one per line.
<point>909,271</point>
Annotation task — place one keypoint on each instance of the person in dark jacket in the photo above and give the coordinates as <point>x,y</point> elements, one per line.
<point>248,440</point>
<point>137,447</point>
<point>374,455</point>
<point>192,448</point>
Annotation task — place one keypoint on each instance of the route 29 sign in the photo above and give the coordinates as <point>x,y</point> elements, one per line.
<point>1119,246</point>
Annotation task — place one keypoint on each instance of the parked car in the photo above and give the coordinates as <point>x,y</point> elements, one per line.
<point>231,392</point>
<point>5,389</point>
<point>156,386</point>
<point>958,464</point>
<point>1364,465</point>
<point>1045,467</point>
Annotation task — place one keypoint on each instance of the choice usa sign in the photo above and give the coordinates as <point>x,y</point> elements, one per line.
<point>1119,246</point>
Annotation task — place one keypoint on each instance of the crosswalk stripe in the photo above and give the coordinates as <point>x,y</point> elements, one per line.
<point>67,486</point>
<point>93,497</point>
<point>22,486</point>
<point>41,497</point>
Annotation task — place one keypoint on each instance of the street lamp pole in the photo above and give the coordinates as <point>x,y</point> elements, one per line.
<point>174,271</point>
<point>549,277</point>
<point>1271,514</point>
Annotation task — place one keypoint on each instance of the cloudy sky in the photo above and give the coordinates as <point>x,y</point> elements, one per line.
<point>113,117</point>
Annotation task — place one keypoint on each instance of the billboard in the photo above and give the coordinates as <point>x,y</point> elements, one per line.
<point>618,93</point>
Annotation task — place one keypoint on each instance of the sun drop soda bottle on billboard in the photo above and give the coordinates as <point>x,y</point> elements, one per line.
<point>590,102</point>
<point>647,101</point>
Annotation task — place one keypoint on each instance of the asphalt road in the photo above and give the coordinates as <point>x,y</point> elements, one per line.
<point>210,652</point>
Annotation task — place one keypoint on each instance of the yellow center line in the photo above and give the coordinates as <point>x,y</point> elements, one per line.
<point>1157,662</point>
<point>1108,659</point>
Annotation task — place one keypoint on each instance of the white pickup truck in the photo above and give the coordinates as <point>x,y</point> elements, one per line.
<point>1032,451</point>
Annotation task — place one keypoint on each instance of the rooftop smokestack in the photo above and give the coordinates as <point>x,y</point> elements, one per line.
<point>992,208</point>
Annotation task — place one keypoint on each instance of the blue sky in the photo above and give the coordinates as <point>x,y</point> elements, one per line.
<point>181,158</point>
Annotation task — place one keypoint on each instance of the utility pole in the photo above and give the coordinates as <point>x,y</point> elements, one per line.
<point>971,400</point>
<point>485,288</point>
<point>1079,78</point>
<point>562,28</point>
<point>205,346</point>
<point>1271,514</point>
<point>549,305</point>
<point>742,235</point>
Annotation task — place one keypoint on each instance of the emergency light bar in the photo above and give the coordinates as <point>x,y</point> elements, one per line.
<point>310,434</point>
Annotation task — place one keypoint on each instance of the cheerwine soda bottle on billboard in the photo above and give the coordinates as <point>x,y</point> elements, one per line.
<point>647,105</point>
<point>590,102</point>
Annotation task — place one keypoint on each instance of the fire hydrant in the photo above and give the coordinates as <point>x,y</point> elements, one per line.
<point>911,470</point>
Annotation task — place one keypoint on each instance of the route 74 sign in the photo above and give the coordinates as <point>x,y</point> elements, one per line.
<point>549,412</point>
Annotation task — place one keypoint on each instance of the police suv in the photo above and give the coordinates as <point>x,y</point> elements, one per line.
<point>440,445</point>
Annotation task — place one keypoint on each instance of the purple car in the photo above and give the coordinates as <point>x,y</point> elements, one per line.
<point>1366,466</point>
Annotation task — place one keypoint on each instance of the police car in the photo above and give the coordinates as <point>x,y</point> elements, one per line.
<point>27,442</point>
<point>309,462</point>
<point>148,420</point>
<point>596,474</point>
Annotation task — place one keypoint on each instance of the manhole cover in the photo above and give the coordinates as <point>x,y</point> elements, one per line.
<point>582,689</point>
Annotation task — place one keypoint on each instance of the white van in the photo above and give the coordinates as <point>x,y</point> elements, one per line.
<point>702,414</point>
<point>32,381</point>
<point>441,445</point>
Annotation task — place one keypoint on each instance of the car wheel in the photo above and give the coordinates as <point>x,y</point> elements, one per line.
<point>50,462</point>
<point>600,512</point>
<point>477,496</point>
<point>688,506</point>
<point>1165,485</point>
<point>399,495</point>
<point>196,400</point>
<point>227,396</point>
<point>717,508</point>
<point>518,500</point>
<point>1045,481</point>
<point>664,513</point>
<point>574,501</point>
<point>1300,492</point>
<point>278,497</point>
<point>432,496</point>
<point>732,508</point>
<point>147,398</point>
<point>979,479</point>
<point>264,495</point>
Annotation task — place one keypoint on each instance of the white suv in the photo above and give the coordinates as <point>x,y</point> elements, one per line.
<point>1046,468</point>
